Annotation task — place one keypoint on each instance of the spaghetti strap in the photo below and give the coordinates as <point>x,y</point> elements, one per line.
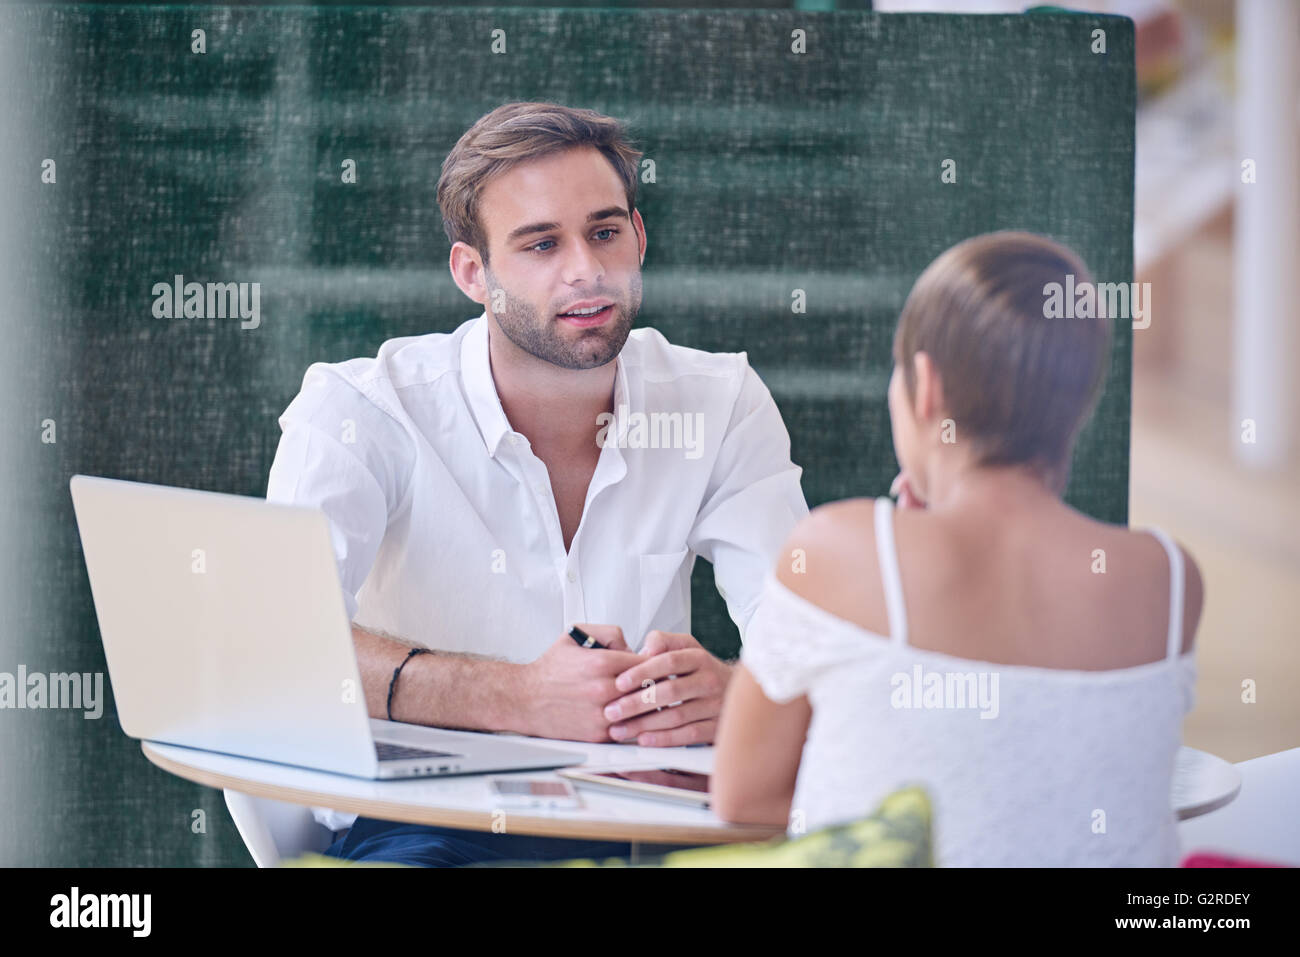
<point>887,556</point>
<point>1176,590</point>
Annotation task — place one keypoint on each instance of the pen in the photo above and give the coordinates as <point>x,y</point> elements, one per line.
<point>584,639</point>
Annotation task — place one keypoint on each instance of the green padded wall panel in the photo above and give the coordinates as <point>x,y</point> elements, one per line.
<point>775,171</point>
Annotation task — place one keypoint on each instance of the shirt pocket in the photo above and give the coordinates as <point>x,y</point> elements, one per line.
<point>665,594</point>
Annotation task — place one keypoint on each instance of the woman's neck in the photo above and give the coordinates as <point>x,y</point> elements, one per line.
<point>994,487</point>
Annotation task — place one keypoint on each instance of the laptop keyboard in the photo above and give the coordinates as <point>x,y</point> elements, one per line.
<point>396,752</point>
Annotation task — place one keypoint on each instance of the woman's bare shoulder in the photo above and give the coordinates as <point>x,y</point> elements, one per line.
<point>1140,558</point>
<point>830,560</point>
<point>1193,583</point>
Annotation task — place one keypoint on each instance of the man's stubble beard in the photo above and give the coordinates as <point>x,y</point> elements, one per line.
<point>545,340</point>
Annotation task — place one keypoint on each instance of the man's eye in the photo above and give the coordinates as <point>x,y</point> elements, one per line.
<point>536,247</point>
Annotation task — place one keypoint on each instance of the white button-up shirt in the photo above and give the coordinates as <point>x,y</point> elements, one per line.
<point>444,527</point>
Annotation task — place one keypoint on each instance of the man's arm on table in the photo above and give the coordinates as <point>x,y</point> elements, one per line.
<point>560,694</point>
<point>440,688</point>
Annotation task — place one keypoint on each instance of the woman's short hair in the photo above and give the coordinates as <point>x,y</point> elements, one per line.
<point>515,133</point>
<point>1018,385</point>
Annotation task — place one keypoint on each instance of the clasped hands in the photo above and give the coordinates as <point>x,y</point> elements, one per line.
<point>668,694</point>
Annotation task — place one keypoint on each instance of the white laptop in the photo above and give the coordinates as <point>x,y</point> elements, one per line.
<point>225,629</point>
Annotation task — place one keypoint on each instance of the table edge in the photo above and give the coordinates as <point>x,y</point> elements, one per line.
<point>518,823</point>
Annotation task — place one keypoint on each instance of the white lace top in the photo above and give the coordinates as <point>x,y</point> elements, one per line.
<point>1025,766</point>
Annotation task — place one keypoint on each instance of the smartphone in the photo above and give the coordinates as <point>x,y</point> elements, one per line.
<point>533,792</point>
<point>666,784</point>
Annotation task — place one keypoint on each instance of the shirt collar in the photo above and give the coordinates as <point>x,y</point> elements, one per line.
<point>481,390</point>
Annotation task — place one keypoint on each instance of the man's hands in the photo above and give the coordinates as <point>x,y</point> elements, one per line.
<point>669,694</point>
<point>675,694</point>
<point>563,693</point>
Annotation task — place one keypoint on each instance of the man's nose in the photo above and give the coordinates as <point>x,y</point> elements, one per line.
<point>583,264</point>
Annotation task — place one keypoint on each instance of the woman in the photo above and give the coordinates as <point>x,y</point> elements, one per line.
<point>1027,665</point>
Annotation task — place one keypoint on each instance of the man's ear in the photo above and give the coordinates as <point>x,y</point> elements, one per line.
<point>639,226</point>
<point>467,272</point>
<point>929,387</point>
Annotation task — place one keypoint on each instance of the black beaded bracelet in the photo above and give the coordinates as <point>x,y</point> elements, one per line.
<point>392,684</point>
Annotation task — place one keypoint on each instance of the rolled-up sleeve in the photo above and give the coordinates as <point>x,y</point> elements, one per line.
<point>753,502</point>
<point>341,453</point>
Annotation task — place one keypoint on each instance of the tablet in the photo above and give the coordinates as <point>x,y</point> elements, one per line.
<point>666,784</point>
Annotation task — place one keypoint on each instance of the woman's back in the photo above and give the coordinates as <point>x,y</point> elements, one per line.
<point>1042,586</point>
<point>1022,664</point>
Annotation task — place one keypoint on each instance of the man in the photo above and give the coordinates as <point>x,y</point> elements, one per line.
<point>540,466</point>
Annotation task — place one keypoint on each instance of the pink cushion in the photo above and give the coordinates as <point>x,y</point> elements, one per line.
<point>1208,859</point>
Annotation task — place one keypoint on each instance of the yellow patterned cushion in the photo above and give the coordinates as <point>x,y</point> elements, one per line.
<point>896,835</point>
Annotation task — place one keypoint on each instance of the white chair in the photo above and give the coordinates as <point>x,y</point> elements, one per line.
<point>274,830</point>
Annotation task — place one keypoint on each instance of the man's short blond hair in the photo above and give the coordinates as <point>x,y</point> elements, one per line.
<point>515,133</point>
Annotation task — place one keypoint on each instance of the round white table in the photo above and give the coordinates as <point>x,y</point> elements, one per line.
<point>1202,783</point>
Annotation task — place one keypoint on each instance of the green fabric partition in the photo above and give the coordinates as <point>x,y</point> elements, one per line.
<point>775,171</point>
